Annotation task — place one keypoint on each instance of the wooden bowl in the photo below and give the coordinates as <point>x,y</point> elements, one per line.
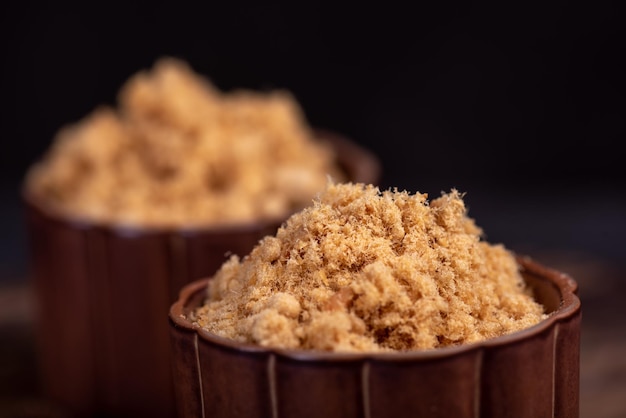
<point>532,373</point>
<point>103,294</point>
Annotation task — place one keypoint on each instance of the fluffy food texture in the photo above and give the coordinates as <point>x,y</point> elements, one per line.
<point>178,152</point>
<point>369,270</point>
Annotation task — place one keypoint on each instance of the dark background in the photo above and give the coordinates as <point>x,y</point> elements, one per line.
<point>520,107</point>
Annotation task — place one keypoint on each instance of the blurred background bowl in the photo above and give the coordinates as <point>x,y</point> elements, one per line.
<point>532,373</point>
<point>103,295</point>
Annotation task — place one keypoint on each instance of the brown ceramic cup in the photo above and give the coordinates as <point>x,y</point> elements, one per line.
<point>533,373</point>
<point>103,294</point>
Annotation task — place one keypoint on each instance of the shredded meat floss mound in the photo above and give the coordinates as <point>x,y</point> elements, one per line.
<point>179,152</point>
<point>365,270</point>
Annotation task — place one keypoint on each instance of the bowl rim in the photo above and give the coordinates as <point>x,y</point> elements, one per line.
<point>345,148</point>
<point>569,307</point>
<point>36,205</point>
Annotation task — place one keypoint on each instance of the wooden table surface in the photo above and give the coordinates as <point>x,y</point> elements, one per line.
<point>603,345</point>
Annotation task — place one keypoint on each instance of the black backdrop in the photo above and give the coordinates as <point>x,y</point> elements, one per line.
<point>513,104</point>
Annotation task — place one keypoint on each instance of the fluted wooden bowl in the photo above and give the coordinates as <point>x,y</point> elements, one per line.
<point>533,373</point>
<point>103,294</point>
